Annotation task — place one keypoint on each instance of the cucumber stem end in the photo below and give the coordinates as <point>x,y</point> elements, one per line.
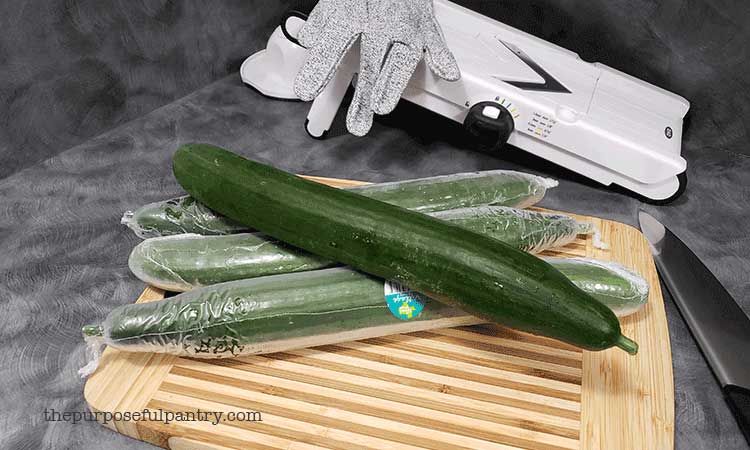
<point>627,344</point>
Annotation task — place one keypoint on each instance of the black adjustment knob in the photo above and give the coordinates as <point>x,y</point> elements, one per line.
<point>490,123</point>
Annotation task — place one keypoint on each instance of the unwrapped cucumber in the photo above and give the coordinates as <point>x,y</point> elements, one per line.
<point>495,187</point>
<point>183,262</point>
<point>297,310</point>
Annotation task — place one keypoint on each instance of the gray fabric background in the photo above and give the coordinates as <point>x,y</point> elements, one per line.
<point>71,69</point>
<point>64,253</point>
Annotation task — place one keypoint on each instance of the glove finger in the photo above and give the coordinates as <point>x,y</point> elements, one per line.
<point>397,70</point>
<point>360,115</point>
<point>315,25</point>
<point>322,62</point>
<point>439,58</point>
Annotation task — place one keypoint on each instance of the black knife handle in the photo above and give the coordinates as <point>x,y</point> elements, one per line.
<point>738,399</point>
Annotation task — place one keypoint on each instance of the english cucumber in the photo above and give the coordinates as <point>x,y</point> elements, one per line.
<point>176,216</point>
<point>183,262</point>
<point>622,290</point>
<point>320,307</point>
<point>461,190</point>
<point>263,315</point>
<point>495,187</point>
<point>478,274</point>
<point>530,231</point>
<point>187,261</point>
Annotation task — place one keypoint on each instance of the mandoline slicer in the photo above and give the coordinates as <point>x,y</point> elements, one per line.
<point>516,88</point>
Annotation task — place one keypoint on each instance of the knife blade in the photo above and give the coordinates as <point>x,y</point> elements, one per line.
<point>716,321</point>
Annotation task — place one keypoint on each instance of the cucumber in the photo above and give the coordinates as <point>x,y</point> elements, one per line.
<point>622,290</point>
<point>530,231</point>
<point>186,261</point>
<point>263,315</point>
<point>176,216</point>
<point>496,187</point>
<point>183,262</point>
<point>321,307</point>
<point>461,190</point>
<point>478,274</point>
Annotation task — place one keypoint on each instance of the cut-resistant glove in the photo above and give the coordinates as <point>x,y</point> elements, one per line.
<point>395,35</point>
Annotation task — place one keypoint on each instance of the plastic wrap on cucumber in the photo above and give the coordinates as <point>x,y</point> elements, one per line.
<point>176,216</point>
<point>263,315</point>
<point>297,310</point>
<point>530,231</point>
<point>183,262</point>
<point>496,187</point>
<point>462,190</point>
<point>622,290</point>
<point>186,261</point>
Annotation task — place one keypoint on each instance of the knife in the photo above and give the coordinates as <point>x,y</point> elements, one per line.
<point>717,322</point>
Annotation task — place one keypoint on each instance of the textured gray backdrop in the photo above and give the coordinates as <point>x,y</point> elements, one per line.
<point>71,69</point>
<point>74,156</point>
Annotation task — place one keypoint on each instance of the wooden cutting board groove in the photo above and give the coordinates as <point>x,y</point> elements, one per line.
<point>468,387</point>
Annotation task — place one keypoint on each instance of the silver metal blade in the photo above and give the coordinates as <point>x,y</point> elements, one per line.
<point>652,229</point>
<point>718,324</point>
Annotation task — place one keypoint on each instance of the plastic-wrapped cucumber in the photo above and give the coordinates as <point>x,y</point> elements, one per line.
<point>531,231</point>
<point>176,216</point>
<point>496,187</point>
<point>186,261</point>
<point>262,315</point>
<point>624,291</point>
<point>183,262</point>
<point>297,310</point>
<point>461,190</point>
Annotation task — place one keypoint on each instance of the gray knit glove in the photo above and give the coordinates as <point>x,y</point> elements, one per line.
<point>395,35</point>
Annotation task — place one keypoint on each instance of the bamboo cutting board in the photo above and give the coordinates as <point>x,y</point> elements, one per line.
<point>467,387</point>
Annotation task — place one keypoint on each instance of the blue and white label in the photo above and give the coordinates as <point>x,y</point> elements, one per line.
<point>403,302</point>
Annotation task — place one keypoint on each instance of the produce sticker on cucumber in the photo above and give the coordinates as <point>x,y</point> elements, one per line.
<point>404,303</point>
